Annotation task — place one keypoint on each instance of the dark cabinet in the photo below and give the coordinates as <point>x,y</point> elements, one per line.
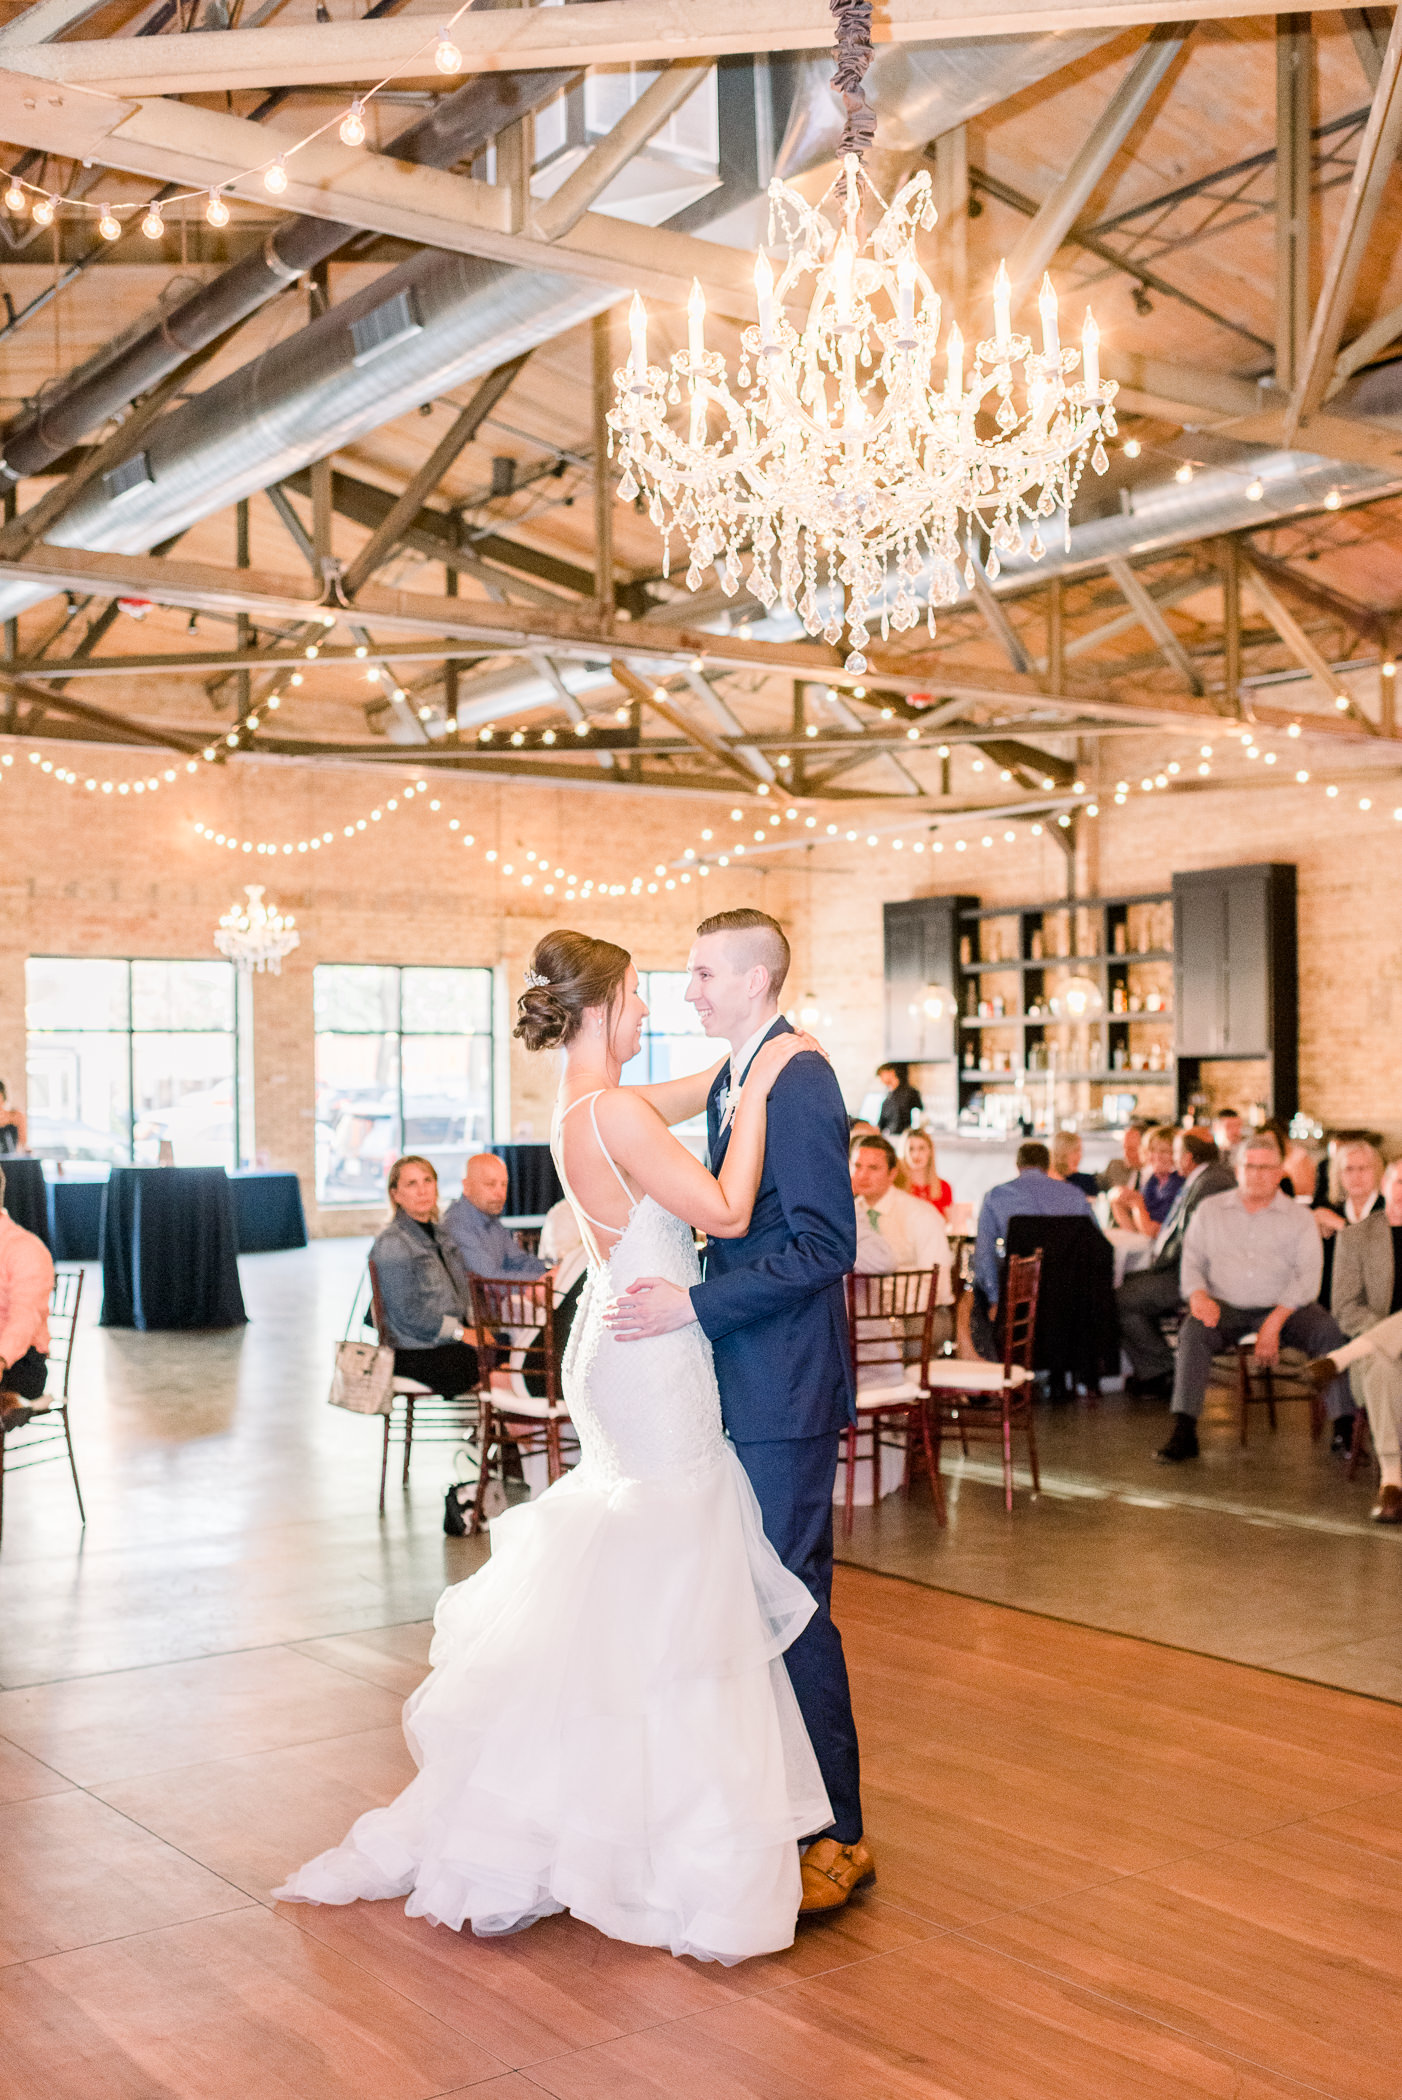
<point>922,949</point>
<point>1235,989</point>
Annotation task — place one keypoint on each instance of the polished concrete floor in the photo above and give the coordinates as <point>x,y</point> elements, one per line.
<point>1109,1869</point>
<point>230,1507</point>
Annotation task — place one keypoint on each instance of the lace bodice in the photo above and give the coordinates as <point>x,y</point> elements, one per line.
<point>642,1410</point>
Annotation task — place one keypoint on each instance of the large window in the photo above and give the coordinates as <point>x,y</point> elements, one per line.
<point>127,1056</point>
<point>403,1064</point>
<point>673,1041</point>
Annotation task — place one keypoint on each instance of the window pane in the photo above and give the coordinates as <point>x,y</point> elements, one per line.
<point>440,1002</point>
<point>673,1056</point>
<point>447,1100</point>
<point>669,1013</point>
<point>64,992</point>
<point>182,995</point>
<point>184,1094</point>
<point>79,1107</point>
<point>354,996</point>
<point>357,1116</point>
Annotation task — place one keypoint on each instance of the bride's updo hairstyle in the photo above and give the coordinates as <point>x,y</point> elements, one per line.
<point>568,973</point>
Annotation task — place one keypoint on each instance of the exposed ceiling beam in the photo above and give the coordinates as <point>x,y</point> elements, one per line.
<point>1038,769</point>
<point>42,22</point>
<point>406,507</point>
<point>995,618</point>
<point>656,699</point>
<point>1294,637</point>
<point>614,32</point>
<point>659,101</point>
<point>1378,335</point>
<point>1150,617</point>
<point>1038,243</point>
<point>1361,619</point>
<point>721,712</point>
<point>1377,151</point>
<point>126,731</point>
<point>200,148</point>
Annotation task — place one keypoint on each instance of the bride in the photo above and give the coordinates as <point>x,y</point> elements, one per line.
<point>608,1727</point>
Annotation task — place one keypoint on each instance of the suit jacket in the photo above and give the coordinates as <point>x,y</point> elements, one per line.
<point>1363,1274</point>
<point>774,1303</point>
<point>1214,1180</point>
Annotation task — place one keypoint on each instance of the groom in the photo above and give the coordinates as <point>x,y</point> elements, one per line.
<point>773,1306</point>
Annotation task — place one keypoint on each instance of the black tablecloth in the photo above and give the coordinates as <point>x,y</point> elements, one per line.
<point>75,1219</point>
<point>169,1249</point>
<point>268,1214</point>
<point>25,1197</point>
<point>532,1184</point>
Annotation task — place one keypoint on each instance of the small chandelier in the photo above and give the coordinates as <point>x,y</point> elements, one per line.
<point>853,476</point>
<point>256,936</point>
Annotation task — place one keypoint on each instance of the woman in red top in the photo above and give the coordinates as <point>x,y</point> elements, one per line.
<point>916,1173</point>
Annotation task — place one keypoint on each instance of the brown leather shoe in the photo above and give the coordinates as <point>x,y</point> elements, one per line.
<point>1388,1507</point>
<point>1322,1372</point>
<point>831,1872</point>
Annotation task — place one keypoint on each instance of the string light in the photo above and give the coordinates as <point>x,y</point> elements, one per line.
<point>447,57</point>
<point>15,199</point>
<point>353,125</point>
<point>275,176</point>
<point>44,212</point>
<point>153,225</point>
<point>109,226</point>
<point>217,211</point>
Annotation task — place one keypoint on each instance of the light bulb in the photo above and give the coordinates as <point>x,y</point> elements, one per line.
<point>1184,473</point>
<point>447,57</point>
<point>15,199</point>
<point>1255,490</point>
<point>275,177</point>
<point>109,227</point>
<point>1333,500</point>
<point>1132,448</point>
<point>353,124</point>
<point>153,225</point>
<point>217,211</point>
<point>44,212</point>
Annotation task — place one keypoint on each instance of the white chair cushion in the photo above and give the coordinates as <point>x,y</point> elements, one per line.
<point>513,1405</point>
<point>952,1374</point>
<point>408,1385</point>
<point>871,1399</point>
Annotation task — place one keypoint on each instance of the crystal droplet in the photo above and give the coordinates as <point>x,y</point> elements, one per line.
<point>969,574</point>
<point>627,488</point>
<point>993,567</point>
<point>1098,459</point>
<point>856,662</point>
<point>1034,545</point>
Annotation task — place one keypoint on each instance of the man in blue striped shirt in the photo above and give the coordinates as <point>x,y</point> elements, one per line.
<point>1032,1194</point>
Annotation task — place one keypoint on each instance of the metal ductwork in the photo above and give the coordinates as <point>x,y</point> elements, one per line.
<point>457,126</point>
<point>430,325</point>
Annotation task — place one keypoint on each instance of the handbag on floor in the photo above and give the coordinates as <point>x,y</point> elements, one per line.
<point>362,1378</point>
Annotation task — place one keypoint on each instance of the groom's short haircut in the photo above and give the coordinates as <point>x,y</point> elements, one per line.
<point>765,940</point>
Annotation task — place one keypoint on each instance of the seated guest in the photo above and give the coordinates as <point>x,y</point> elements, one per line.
<point>902,1099</point>
<point>472,1222</point>
<point>1127,1170</point>
<point>1250,1264</point>
<point>14,1136</point>
<point>26,1279</point>
<point>1226,1131</point>
<point>1368,1306</point>
<point>858,1126</point>
<point>916,1173</point>
<point>1145,1208</point>
<point>1034,1193</point>
<point>1150,1295</point>
<point>425,1293</point>
<point>1353,1191</point>
<point>1066,1150</point>
<point>913,1229</point>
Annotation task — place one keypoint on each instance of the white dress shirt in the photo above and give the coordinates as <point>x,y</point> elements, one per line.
<point>915,1232</point>
<point>739,1065</point>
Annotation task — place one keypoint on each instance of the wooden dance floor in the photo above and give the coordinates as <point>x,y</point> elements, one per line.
<point>1108,1871</point>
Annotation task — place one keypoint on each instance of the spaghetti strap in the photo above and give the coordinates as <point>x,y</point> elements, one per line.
<point>617,1231</point>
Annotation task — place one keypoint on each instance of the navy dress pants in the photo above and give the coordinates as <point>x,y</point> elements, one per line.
<point>793,1481</point>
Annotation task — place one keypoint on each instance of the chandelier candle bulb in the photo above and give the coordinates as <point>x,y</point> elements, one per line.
<point>1090,355</point>
<point>905,299</point>
<point>1051,333</point>
<point>954,366</point>
<point>764,294</point>
<point>696,327</point>
<point>1002,309</point>
<point>637,332</point>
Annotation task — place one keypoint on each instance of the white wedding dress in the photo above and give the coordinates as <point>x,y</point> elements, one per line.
<point>608,1727</point>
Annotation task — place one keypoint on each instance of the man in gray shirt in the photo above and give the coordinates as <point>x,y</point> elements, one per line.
<point>472,1222</point>
<point>1251,1264</point>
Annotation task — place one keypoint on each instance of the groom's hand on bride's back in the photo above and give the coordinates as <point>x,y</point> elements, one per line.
<point>649,1307</point>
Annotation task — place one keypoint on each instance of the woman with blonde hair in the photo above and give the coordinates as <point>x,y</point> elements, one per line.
<point>917,1174</point>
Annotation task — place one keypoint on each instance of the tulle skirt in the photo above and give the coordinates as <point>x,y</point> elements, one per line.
<point>608,1728</point>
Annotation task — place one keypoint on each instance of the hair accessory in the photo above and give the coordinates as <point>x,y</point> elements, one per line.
<point>534,981</point>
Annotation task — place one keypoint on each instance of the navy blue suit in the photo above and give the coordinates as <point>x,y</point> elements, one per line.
<point>774,1308</point>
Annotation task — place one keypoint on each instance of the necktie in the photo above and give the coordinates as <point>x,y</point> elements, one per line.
<point>874,1219</point>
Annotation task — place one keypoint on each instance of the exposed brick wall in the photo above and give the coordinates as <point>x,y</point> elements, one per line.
<point>95,875</point>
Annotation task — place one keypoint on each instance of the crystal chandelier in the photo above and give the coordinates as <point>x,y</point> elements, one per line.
<point>854,475</point>
<point>256,936</point>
